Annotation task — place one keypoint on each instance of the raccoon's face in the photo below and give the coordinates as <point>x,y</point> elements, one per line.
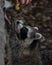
<point>26,31</point>
<point>29,37</point>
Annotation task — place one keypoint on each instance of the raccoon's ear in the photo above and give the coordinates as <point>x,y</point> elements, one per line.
<point>36,28</point>
<point>38,36</point>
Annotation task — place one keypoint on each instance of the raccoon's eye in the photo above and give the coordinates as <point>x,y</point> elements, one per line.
<point>18,22</point>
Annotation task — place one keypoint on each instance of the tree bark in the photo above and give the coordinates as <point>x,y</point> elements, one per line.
<point>2,35</point>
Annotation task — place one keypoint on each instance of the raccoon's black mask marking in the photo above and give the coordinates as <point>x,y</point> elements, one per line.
<point>18,22</point>
<point>23,33</point>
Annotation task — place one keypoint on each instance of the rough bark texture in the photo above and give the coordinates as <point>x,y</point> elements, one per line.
<point>2,36</point>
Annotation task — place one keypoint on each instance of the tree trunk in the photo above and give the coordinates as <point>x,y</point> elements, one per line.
<point>2,35</point>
